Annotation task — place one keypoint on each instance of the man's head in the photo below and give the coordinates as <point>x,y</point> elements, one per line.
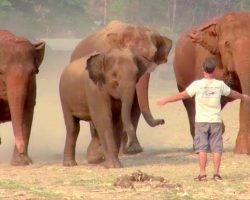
<point>209,65</point>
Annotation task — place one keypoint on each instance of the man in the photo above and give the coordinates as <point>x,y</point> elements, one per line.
<point>208,120</point>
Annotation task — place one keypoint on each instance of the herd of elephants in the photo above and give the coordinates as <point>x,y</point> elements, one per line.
<point>106,82</point>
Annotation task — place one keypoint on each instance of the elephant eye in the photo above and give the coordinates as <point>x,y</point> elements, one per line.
<point>114,74</point>
<point>115,84</point>
<point>227,44</point>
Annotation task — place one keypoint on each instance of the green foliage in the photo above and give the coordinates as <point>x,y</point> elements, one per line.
<point>5,3</point>
<point>45,18</point>
<point>242,4</point>
<point>119,8</point>
<point>77,18</point>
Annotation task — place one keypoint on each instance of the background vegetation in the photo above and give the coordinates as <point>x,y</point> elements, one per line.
<point>76,18</point>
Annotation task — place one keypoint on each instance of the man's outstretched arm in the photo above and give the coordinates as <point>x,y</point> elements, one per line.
<point>236,95</point>
<point>179,96</point>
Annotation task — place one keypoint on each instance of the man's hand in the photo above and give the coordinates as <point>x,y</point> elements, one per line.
<point>161,102</point>
<point>245,97</point>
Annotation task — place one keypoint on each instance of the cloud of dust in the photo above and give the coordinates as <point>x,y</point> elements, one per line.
<point>48,130</point>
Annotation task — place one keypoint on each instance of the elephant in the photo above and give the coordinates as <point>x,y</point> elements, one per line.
<point>227,39</point>
<point>142,41</point>
<point>19,64</point>
<point>100,88</point>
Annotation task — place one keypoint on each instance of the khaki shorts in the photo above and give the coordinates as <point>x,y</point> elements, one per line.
<point>208,137</point>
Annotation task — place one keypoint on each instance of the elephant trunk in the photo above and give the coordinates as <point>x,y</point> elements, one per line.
<point>142,95</point>
<point>127,101</point>
<point>16,84</point>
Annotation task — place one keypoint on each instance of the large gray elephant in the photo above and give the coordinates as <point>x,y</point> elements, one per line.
<point>100,88</point>
<point>19,63</point>
<point>227,38</point>
<point>142,41</point>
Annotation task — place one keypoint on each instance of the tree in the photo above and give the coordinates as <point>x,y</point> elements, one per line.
<point>41,18</point>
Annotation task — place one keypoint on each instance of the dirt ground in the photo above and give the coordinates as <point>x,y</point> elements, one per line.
<point>167,153</point>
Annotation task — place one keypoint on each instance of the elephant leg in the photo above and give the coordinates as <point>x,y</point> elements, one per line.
<point>110,149</point>
<point>72,128</point>
<point>242,145</point>
<point>118,130</point>
<point>94,151</point>
<point>104,127</point>
<point>135,116</point>
<point>190,108</point>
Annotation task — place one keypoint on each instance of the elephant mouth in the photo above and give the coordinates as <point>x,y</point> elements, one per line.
<point>149,59</point>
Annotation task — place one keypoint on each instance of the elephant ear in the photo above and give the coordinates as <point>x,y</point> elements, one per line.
<point>39,53</point>
<point>143,65</point>
<point>95,68</point>
<point>163,45</point>
<point>207,36</point>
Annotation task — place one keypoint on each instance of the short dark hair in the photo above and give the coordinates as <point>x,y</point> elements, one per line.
<point>209,65</point>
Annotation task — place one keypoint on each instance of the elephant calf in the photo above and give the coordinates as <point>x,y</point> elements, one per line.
<point>100,88</point>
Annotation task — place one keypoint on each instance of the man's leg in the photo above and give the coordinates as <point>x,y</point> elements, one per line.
<point>202,156</point>
<point>216,143</point>
<point>217,161</point>
<point>201,147</point>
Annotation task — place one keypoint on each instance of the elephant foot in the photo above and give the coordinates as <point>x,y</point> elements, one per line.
<point>134,148</point>
<point>94,152</point>
<point>112,163</point>
<point>95,159</point>
<point>69,163</point>
<point>21,160</point>
<point>242,145</point>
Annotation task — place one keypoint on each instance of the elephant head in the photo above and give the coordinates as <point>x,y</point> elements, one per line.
<point>145,42</point>
<point>19,62</point>
<point>142,41</point>
<point>228,38</point>
<point>117,72</point>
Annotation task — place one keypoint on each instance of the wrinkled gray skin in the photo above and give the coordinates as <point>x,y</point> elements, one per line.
<point>142,41</point>
<point>100,88</point>
<point>19,62</point>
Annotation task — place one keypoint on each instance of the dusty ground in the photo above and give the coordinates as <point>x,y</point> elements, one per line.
<point>167,153</point>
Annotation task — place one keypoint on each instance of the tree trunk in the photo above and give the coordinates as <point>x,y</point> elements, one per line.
<point>174,13</point>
